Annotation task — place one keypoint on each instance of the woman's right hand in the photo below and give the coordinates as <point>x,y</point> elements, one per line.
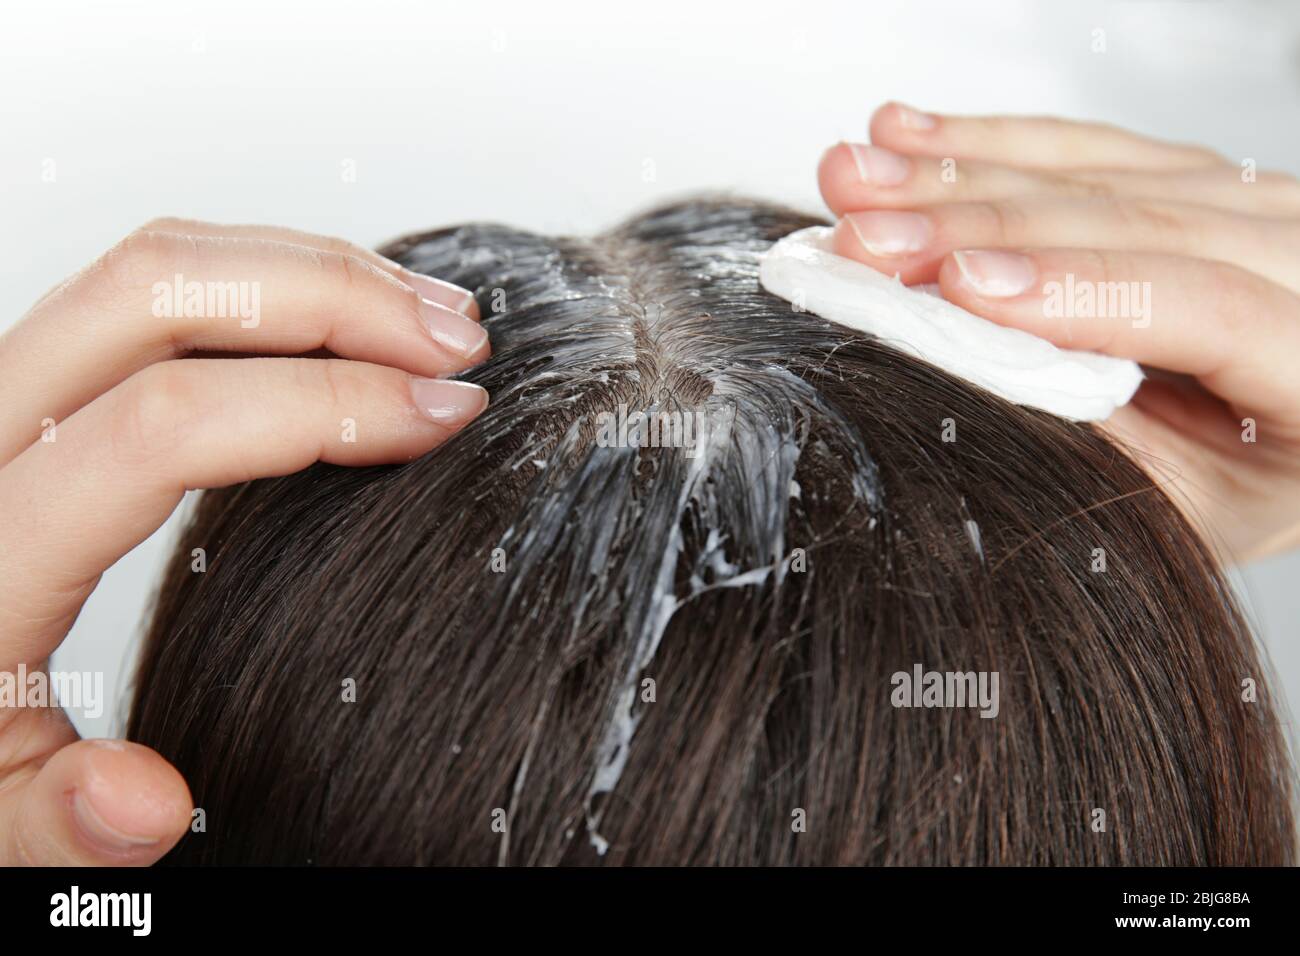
<point>106,420</point>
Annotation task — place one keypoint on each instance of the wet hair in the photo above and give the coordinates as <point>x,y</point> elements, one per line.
<point>562,638</point>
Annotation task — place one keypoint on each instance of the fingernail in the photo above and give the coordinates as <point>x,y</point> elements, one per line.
<point>996,275</point>
<point>879,167</point>
<point>468,306</point>
<point>100,833</point>
<point>909,118</point>
<point>886,233</point>
<point>453,331</point>
<point>436,290</point>
<point>447,401</point>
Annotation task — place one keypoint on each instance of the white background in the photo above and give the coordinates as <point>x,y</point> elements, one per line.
<point>549,116</point>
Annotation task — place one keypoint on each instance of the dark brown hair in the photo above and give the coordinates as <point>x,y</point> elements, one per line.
<point>568,647</point>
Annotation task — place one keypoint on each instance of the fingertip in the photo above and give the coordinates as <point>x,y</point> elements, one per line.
<point>993,274</point>
<point>951,282</point>
<point>126,799</point>
<point>449,403</point>
<point>895,121</point>
<point>1006,287</point>
<point>463,340</point>
<point>470,308</point>
<point>846,240</point>
<point>844,182</point>
<point>895,242</point>
<point>955,286</point>
<point>831,170</point>
<point>100,803</point>
<point>443,293</point>
<point>975,281</point>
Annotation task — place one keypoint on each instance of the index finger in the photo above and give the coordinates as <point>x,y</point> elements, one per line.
<point>1041,141</point>
<point>430,287</point>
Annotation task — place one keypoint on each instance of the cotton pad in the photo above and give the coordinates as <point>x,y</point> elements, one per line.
<point>1018,366</point>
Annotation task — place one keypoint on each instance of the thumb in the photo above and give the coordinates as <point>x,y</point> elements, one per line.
<point>94,803</point>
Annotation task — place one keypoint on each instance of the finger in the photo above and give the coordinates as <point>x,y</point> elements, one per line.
<point>912,243</point>
<point>130,310</point>
<point>117,468</point>
<point>1222,324</point>
<point>1181,406</point>
<point>433,289</point>
<point>858,176</point>
<point>93,803</point>
<point>1029,141</point>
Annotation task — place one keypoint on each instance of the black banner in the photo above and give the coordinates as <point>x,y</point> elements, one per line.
<point>572,905</point>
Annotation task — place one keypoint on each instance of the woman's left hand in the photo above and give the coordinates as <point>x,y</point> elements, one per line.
<point>1097,238</point>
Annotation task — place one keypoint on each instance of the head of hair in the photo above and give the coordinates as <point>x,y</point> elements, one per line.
<point>561,638</point>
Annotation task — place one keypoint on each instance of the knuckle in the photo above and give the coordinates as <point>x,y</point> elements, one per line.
<point>140,259</point>
<point>358,279</point>
<point>339,269</point>
<point>1282,185</point>
<point>333,379</point>
<point>996,127</point>
<point>1152,217</point>
<point>1006,220</point>
<point>1104,269</point>
<point>1209,157</point>
<point>1101,265</point>
<point>154,412</point>
<point>1064,130</point>
<point>1232,294</point>
<point>164,224</point>
<point>344,247</point>
<point>1089,187</point>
